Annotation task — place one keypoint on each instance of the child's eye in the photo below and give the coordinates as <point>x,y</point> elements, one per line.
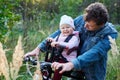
<point>62,28</point>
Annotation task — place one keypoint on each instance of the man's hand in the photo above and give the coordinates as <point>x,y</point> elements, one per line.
<point>65,66</point>
<point>35,52</point>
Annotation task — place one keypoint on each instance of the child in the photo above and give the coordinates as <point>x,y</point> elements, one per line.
<point>66,27</point>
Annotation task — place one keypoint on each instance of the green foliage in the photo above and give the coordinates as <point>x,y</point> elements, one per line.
<point>118,28</point>
<point>7,19</point>
<point>113,69</point>
<point>70,7</point>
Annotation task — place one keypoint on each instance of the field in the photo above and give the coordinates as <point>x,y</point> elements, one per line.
<point>29,41</point>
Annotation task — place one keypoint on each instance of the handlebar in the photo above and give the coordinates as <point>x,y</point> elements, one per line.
<point>47,70</point>
<point>43,64</point>
<point>30,59</point>
<point>45,67</point>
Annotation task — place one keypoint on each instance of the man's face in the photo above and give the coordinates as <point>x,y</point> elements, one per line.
<point>91,25</point>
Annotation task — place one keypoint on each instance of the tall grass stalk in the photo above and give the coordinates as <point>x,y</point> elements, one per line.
<point>17,59</point>
<point>37,73</point>
<point>11,71</point>
<point>114,60</point>
<point>4,67</point>
<point>114,47</point>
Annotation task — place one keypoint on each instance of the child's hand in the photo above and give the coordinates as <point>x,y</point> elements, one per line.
<point>50,39</point>
<point>54,44</point>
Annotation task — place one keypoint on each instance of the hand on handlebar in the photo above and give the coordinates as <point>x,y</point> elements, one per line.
<point>64,66</point>
<point>50,39</point>
<point>35,52</point>
<point>54,44</point>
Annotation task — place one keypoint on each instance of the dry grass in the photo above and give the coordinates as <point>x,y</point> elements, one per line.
<point>114,59</point>
<point>17,60</point>
<point>11,72</point>
<point>4,67</point>
<point>114,47</point>
<point>37,73</point>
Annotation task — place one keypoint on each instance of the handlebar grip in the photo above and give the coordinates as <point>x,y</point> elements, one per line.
<point>30,59</point>
<point>60,68</point>
<point>26,59</point>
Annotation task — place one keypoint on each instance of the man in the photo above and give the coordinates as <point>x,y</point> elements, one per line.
<point>94,30</point>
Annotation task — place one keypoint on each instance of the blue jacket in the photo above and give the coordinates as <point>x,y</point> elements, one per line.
<point>94,46</point>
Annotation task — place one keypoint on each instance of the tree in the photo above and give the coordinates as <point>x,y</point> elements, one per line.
<point>7,18</point>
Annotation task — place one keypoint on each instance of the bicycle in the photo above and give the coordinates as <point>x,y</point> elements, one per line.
<point>53,54</point>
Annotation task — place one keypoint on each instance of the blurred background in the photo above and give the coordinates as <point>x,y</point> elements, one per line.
<point>34,20</point>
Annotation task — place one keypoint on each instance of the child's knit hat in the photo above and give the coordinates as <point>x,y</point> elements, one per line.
<point>67,20</point>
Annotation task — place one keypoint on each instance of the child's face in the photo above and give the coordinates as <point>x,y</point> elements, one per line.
<point>66,29</point>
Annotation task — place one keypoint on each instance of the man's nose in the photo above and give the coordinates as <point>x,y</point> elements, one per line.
<point>86,24</point>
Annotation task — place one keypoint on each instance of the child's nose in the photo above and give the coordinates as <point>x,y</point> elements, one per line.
<point>65,28</point>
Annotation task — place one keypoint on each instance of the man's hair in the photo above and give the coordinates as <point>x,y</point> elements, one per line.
<point>97,12</point>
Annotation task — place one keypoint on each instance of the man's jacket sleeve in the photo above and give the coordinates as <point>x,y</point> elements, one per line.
<point>94,54</point>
